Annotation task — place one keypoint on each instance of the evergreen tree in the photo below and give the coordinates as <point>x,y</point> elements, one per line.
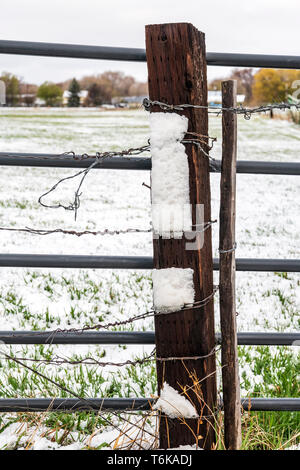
<point>74,89</point>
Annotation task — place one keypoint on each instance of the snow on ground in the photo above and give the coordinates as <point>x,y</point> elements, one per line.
<point>267,227</point>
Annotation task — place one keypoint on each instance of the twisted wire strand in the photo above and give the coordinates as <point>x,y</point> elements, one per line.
<point>106,326</point>
<point>59,360</point>
<point>35,231</point>
<point>99,157</point>
<point>200,140</point>
<point>247,112</point>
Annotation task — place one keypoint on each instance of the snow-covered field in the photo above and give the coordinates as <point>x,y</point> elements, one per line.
<point>268,226</point>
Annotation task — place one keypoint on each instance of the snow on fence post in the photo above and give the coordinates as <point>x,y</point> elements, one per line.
<point>230,371</point>
<point>177,74</point>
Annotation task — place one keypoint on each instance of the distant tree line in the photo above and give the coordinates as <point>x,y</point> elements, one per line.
<point>264,86</point>
<point>98,90</point>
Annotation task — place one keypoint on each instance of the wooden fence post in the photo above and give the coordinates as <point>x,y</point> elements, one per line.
<point>177,74</point>
<point>230,372</point>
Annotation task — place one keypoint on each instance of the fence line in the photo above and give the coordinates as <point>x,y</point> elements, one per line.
<point>118,262</point>
<point>218,110</point>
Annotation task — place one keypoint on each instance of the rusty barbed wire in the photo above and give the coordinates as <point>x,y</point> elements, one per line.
<point>59,360</point>
<point>247,112</point>
<point>142,316</point>
<point>106,326</point>
<point>99,157</point>
<point>204,226</point>
<point>75,232</point>
<point>189,358</point>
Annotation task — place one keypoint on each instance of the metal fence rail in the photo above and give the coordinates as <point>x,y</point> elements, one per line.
<point>135,337</point>
<point>51,160</point>
<point>133,404</point>
<point>139,55</point>
<point>136,163</point>
<point>133,262</point>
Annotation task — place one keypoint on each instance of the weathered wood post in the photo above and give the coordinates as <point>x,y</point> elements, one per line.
<point>230,371</point>
<point>177,74</point>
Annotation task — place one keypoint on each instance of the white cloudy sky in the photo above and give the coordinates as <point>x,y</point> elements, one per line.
<point>254,26</point>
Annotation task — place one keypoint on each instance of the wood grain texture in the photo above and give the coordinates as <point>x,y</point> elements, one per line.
<point>230,372</point>
<point>177,74</point>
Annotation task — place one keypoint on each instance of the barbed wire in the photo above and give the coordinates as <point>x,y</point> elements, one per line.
<point>151,313</point>
<point>99,157</point>
<point>204,226</point>
<point>75,232</point>
<point>247,112</point>
<point>189,358</point>
<point>59,360</point>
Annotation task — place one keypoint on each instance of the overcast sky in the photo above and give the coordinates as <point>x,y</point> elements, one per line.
<point>254,26</point>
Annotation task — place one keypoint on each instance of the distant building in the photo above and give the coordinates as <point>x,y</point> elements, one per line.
<point>39,102</point>
<point>215,97</point>
<point>128,100</point>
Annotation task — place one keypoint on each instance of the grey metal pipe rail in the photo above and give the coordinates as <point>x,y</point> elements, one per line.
<point>76,261</point>
<point>267,168</point>
<point>253,60</point>
<point>122,404</point>
<point>139,55</point>
<point>137,163</point>
<point>133,262</point>
<point>74,51</point>
<point>52,160</point>
<point>135,337</point>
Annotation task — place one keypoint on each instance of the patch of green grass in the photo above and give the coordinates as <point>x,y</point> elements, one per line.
<point>275,373</point>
